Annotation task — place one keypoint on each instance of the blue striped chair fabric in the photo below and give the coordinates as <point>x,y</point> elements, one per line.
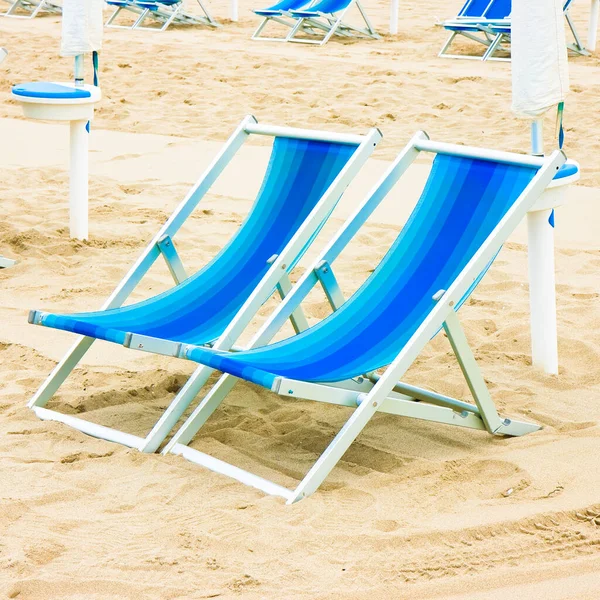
<point>463,201</point>
<point>200,308</point>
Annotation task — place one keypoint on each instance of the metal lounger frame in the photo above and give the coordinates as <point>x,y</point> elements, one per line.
<point>163,14</point>
<point>334,25</point>
<point>34,7</point>
<point>162,245</point>
<point>370,394</point>
<point>282,19</point>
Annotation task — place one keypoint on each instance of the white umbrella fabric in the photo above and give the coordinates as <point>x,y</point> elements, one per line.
<point>540,81</point>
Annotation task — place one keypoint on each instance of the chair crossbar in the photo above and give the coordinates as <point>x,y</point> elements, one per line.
<point>231,471</point>
<point>89,428</point>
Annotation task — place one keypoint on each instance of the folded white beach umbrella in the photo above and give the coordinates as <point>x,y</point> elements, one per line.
<point>540,81</point>
<point>82,26</point>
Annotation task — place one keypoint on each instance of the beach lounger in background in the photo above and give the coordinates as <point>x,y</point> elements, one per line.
<point>469,20</point>
<point>27,9</point>
<point>162,12</point>
<point>472,201</point>
<point>307,173</point>
<point>325,19</point>
<point>500,33</point>
<point>278,14</point>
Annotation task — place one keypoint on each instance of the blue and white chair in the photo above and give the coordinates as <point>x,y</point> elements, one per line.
<point>277,13</point>
<point>27,9</point>
<point>326,18</point>
<point>307,173</point>
<point>472,201</point>
<point>162,12</point>
<point>469,21</point>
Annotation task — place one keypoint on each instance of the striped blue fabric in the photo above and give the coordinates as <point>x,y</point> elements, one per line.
<point>324,6</point>
<point>463,201</point>
<point>282,5</point>
<point>199,309</point>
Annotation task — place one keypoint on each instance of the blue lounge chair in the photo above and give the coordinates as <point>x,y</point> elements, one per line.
<point>500,34</point>
<point>277,14</point>
<point>28,9</point>
<point>471,203</point>
<point>307,173</point>
<point>468,23</point>
<point>164,12</point>
<point>324,19</point>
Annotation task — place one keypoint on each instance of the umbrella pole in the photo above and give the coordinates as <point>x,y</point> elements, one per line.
<point>542,291</point>
<point>394,17</point>
<point>593,26</point>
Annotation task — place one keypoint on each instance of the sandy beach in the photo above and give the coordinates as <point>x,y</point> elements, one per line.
<point>414,510</point>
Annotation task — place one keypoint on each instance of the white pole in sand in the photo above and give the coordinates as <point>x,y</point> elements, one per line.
<point>394,17</point>
<point>234,11</point>
<point>542,290</point>
<point>593,26</point>
<point>78,186</point>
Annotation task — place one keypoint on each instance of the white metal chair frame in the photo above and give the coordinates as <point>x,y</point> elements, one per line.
<point>334,25</point>
<point>32,6</point>
<point>164,14</point>
<point>370,393</point>
<point>162,244</point>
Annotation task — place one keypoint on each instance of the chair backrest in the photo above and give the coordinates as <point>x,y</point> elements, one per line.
<point>331,6</point>
<point>498,9</point>
<point>463,201</point>
<point>474,8</point>
<point>298,174</point>
<point>288,5</point>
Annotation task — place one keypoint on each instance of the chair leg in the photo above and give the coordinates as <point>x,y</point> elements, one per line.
<point>209,18</point>
<point>294,30</point>
<point>337,448</point>
<point>171,18</point>
<point>203,411</point>
<point>578,46</point>
<point>140,19</point>
<point>447,44</point>
<point>472,373</point>
<point>367,21</point>
<point>61,372</point>
<point>177,407</point>
<point>489,53</point>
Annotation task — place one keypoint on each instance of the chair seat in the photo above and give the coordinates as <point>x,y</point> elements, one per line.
<point>306,13</point>
<point>457,27</point>
<point>119,2</point>
<point>266,12</point>
<point>45,89</point>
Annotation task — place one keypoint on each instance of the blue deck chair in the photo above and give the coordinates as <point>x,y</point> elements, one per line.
<point>324,19</point>
<point>277,14</point>
<point>500,33</point>
<point>471,203</point>
<point>163,12</point>
<point>468,22</point>
<point>306,175</point>
<point>27,9</point>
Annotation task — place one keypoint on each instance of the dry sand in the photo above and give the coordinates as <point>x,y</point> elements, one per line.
<point>414,510</point>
